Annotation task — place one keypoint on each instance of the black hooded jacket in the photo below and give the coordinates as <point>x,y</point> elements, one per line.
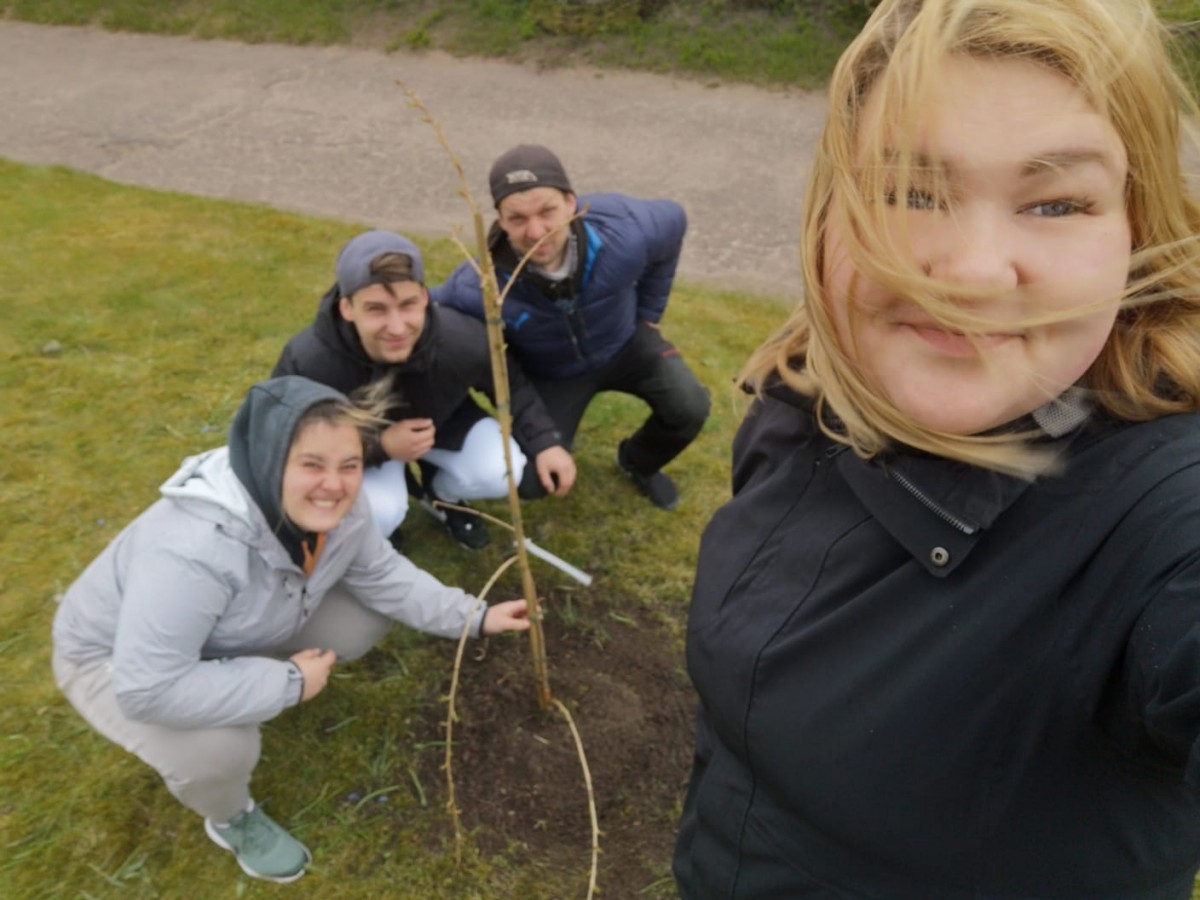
<point>921,679</point>
<point>450,358</point>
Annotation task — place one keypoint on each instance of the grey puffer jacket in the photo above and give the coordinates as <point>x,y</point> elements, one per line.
<point>191,593</point>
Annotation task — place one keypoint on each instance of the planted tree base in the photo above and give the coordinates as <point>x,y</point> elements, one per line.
<point>518,780</point>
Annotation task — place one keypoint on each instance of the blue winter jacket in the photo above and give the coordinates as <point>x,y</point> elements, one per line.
<point>630,249</point>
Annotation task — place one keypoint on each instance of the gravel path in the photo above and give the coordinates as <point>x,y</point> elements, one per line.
<point>327,131</point>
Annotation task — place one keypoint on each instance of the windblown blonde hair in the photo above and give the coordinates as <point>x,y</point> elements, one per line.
<point>365,410</point>
<point>1115,51</point>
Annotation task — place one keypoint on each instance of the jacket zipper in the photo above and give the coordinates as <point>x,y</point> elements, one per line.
<point>569,307</point>
<point>947,517</point>
<point>574,339</point>
<point>304,598</point>
<point>830,453</point>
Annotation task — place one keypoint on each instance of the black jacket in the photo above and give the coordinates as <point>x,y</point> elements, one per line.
<point>450,358</point>
<point>920,679</point>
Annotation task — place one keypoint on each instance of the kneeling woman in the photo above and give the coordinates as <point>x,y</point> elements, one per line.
<point>175,642</point>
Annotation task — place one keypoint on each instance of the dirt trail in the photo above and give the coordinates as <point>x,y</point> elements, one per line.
<point>327,131</point>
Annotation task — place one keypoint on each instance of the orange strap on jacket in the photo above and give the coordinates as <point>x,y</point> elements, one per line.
<point>310,556</point>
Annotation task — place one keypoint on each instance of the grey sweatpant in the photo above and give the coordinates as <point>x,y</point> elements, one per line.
<point>208,769</point>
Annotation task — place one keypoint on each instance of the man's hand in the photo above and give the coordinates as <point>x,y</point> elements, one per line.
<point>315,666</point>
<point>555,470</point>
<point>408,439</point>
<point>511,615</point>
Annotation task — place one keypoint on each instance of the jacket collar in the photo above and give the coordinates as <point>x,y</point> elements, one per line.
<point>506,260</point>
<point>935,508</point>
<point>939,509</point>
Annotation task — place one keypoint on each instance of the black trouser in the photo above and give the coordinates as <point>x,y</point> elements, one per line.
<point>648,367</point>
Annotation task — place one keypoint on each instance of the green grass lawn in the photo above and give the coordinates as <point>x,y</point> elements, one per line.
<point>135,321</point>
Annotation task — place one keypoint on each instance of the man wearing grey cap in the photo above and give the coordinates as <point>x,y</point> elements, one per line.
<point>376,322</point>
<point>582,315</point>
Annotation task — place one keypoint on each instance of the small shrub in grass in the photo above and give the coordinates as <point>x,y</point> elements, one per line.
<point>418,39</point>
<point>584,18</point>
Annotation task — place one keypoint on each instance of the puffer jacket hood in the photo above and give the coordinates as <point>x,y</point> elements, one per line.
<point>206,485</point>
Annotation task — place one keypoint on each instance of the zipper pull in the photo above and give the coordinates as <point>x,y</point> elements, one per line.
<point>829,454</point>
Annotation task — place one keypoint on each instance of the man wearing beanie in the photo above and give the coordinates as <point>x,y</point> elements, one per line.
<point>376,322</point>
<point>583,314</point>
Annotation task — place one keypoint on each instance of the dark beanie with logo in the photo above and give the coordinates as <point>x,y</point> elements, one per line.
<point>524,167</point>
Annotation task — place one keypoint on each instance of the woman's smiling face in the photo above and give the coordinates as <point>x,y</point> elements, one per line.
<point>1027,201</point>
<point>322,475</point>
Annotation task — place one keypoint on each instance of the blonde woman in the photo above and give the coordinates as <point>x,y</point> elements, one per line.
<point>945,635</point>
<point>231,598</point>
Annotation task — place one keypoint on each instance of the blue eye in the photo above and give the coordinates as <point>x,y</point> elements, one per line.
<point>921,200</point>
<point>1054,209</point>
<point>915,199</point>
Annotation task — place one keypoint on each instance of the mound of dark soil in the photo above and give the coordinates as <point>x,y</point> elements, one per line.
<point>518,780</point>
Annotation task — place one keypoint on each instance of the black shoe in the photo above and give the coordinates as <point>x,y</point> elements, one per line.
<point>465,527</point>
<point>657,486</point>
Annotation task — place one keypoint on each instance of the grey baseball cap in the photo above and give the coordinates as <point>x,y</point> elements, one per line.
<point>354,261</point>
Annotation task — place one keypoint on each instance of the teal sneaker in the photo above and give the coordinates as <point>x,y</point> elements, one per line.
<point>262,847</point>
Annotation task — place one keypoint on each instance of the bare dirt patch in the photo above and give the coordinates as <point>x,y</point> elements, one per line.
<point>518,779</point>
